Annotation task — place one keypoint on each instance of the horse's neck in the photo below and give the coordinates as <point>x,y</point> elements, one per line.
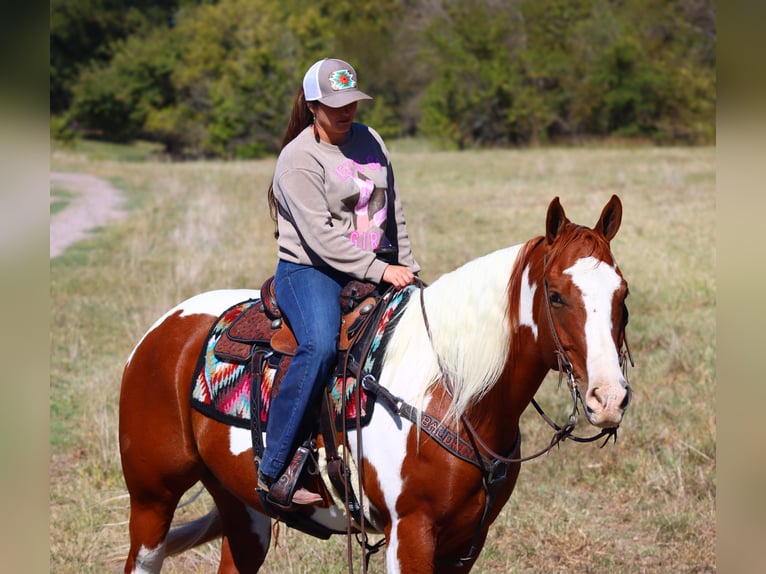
<point>470,314</point>
<point>524,367</point>
<point>466,311</point>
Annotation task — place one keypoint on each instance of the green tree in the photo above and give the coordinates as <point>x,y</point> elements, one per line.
<point>83,33</point>
<point>652,76</point>
<point>115,100</point>
<point>471,45</point>
<point>217,78</point>
<point>239,64</point>
<point>234,80</point>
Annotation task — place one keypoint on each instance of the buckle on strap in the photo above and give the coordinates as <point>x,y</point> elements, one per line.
<point>498,472</point>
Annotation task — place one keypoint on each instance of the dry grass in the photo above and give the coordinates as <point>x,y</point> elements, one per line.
<point>644,505</point>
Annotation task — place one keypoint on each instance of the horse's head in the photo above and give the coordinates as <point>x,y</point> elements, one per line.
<point>584,300</point>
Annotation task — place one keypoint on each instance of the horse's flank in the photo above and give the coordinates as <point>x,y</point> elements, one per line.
<point>467,310</point>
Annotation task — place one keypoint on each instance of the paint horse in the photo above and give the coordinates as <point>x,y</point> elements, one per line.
<point>468,352</point>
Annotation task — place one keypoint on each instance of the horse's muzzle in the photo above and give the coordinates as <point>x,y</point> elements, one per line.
<point>605,405</point>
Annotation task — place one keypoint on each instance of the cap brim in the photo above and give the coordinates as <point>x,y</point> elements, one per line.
<point>344,98</point>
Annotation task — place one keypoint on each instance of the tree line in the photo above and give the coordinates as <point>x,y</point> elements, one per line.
<point>211,78</point>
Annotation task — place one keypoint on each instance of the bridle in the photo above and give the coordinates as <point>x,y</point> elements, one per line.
<point>561,432</point>
<point>494,467</point>
<point>565,368</point>
<point>495,473</point>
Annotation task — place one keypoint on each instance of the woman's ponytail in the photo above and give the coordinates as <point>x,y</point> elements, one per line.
<point>300,118</point>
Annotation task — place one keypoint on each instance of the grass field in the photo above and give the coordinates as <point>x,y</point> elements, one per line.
<point>646,504</point>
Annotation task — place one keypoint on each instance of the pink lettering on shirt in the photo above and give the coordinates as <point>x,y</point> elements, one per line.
<point>367,241</point>
<point>350,167</point>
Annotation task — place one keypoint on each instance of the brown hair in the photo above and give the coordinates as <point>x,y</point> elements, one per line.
<point>300,118</point>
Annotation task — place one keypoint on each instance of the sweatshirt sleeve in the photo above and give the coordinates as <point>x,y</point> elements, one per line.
<point>302,196</point>
<point>402,239</point>
<point>406,257</point>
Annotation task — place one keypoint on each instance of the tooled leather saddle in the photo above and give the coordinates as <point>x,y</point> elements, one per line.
<point>263,324</point>
<point>260,334</point>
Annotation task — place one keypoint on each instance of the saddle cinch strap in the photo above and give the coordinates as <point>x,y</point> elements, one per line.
<point>263,324</point>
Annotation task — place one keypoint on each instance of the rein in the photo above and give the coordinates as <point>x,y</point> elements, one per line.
<point>565,367</point>
<point>494,467</point>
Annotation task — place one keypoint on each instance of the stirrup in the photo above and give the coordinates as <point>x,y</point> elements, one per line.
<point>285,492</point>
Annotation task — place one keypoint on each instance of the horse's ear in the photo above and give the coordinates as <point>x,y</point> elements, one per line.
<point>555,220</point>
<point>611,217</point>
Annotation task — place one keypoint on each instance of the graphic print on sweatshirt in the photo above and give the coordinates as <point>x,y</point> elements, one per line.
<point>370,207</point>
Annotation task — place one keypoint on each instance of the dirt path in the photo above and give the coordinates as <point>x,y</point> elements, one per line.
<point>95,204</point>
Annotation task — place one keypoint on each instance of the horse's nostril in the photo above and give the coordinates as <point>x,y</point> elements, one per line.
<point>598,399</point>
<point>626,401</point>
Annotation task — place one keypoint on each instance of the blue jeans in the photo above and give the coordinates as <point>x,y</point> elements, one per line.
<point>308,298</point>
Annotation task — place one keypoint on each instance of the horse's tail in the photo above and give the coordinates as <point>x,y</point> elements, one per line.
<point>192,534</point>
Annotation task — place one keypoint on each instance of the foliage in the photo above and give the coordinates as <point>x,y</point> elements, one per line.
<point>118,98</point>
<point>230,82</point>
<point>535,70</point>
<point>471,46</point>
<point>217,78</point>
<point>646,81</point>
<point>85,32</point>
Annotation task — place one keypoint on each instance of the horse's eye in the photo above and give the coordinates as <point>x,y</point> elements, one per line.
<point>556,299</point>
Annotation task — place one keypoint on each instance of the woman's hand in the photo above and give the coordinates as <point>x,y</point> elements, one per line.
<point>398,276</point>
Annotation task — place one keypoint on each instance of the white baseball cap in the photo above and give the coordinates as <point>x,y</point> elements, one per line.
<point>333,83</point>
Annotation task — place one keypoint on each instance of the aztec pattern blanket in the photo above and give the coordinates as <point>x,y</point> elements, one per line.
<point>222,389</point>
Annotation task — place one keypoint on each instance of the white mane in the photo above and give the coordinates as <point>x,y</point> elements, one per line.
<point>468,314</point>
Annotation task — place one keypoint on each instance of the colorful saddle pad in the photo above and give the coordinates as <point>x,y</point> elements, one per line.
<point>222,389</point>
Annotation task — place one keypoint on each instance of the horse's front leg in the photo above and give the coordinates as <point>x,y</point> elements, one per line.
<point>411,546</point>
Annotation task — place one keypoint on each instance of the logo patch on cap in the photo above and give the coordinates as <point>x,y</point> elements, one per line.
<point>342,80</point>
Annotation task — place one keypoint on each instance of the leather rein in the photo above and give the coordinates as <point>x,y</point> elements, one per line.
<point>561,432</point>
<point>495,466</point>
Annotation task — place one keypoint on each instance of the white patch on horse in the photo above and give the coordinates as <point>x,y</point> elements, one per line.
<point>598,282</point>
<point>331,517</point>
<point>240,440</point>
<point>389,435</point>
<point>467,310</point>
<point>526,302</point>
<point>149,561</point>
<point>392,549</point>
<point>216,302</point>
<point>209,303</point>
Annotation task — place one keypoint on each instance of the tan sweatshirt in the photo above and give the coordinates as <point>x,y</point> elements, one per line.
<point>338,204</point>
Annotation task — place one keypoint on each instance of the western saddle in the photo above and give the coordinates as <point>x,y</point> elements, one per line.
<point>260,333</point>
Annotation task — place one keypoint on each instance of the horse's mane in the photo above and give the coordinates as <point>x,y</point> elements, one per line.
<point>468,314</point>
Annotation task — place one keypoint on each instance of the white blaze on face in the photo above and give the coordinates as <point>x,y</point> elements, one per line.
<point>598,282</point>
